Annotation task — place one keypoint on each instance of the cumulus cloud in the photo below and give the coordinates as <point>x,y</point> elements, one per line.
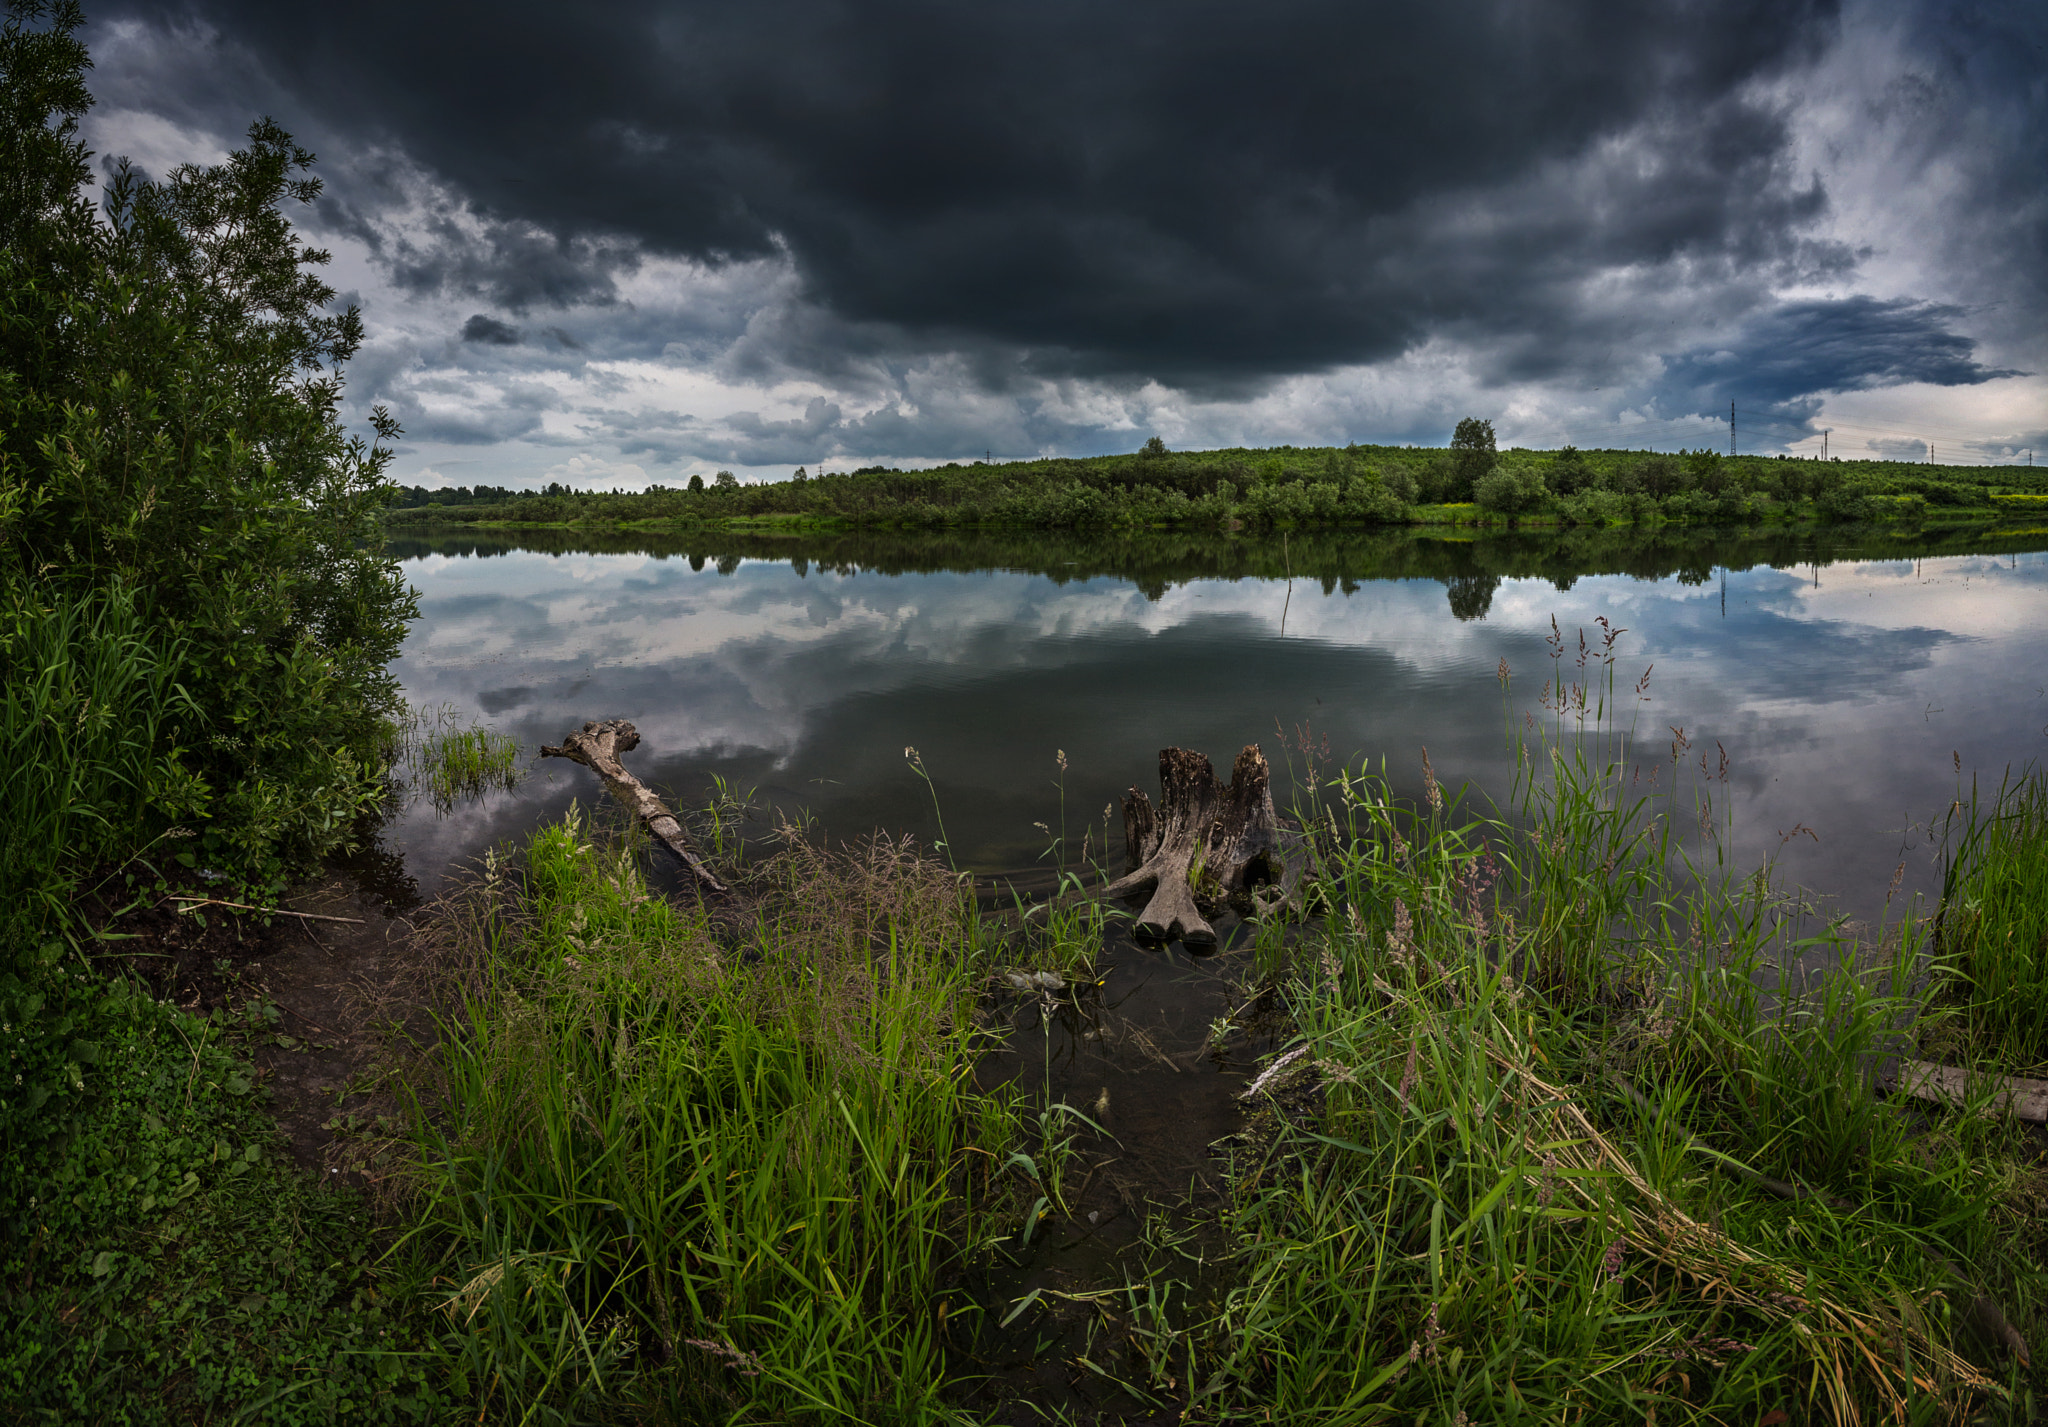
<point>481,328</point>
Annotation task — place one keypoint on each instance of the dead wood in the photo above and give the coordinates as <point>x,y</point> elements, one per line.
<point>1206,847</point>
<point>597,746</point>
<point>1946,1085</point>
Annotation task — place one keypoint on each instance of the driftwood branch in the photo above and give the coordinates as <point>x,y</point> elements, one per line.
<point>1206,846</point>
<point>1946,1085</point>
<point>597,746</point>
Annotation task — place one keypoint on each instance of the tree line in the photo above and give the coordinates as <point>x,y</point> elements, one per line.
<point>1287,487</point>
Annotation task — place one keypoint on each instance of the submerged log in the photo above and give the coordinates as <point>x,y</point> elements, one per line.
<point>597,746</point>
<point>1206,847</point>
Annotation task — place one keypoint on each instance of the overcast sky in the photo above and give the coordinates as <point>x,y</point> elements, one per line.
<point>621,243</point>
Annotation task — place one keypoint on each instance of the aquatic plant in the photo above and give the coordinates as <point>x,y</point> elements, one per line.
<point>1993,933</point>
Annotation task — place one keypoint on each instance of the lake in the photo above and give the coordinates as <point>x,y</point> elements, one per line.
<point>1846,675</point>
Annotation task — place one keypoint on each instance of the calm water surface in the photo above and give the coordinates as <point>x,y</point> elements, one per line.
<point>1844,686</point>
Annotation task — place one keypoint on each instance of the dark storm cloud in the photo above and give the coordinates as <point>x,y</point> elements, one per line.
<point>482,328</point>
<point>1977,110</point>
<point>1203,193</point>
<point>1787,354</point>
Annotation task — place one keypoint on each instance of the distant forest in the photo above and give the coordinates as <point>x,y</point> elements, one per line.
<point>1284,487</point>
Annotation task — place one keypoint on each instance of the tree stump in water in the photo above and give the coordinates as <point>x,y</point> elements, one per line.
<point>1206,847</point>
<point>597,747</point>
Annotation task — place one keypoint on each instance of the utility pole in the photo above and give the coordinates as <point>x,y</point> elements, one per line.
<point>1731,428</point>
<point>1824,441</point>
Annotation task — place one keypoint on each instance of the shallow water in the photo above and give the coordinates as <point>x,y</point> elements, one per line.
<point>1845,677</point>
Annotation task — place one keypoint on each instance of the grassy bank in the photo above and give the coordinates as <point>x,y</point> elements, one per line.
<point>1993,932</point>
<point>1285,488</point>
<point>714,1171</point>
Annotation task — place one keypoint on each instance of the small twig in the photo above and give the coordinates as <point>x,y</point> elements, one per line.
<point>193,904</point>
<point>304,1017</point>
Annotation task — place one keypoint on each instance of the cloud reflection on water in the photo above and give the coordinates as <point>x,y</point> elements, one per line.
<point>1840,705</point>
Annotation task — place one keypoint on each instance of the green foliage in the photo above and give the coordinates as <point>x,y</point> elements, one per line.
<point>172,460</point>
<point>1511,488</point>
<point>1569,474</point>
<point>87,750</point>
<point>1283,488</point>
<point>1472,456</point>
<point>161,1260</point>
<point>1993,936</point>
<point>703,1179</point>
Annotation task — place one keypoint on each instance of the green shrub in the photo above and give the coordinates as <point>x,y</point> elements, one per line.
<point>1511,488</point>
<point>169,427</point>
<point>161,1260</point>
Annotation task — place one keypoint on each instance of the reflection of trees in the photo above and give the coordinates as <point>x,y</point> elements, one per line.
<point>1471,595</point>
<point>1157,560</point>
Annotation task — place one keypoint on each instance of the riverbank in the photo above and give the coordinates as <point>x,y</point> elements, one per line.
<point>1518,1147</point>
<point>1287,488</point>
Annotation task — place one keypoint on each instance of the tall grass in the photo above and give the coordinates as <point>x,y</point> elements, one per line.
<point>711,1172</point>
<point>449,760</point>
<point>1579,1125</point>
<point>1994,926</point>
<point>87,771</point>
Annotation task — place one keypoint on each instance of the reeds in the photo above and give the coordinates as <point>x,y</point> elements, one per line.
<point>87,770</point>
<point>1579,1125</point>
<point>711,1172</point>
<point>449,761</point>
<point>1993,935</point>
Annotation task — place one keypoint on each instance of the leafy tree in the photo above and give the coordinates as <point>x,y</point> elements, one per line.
<point>696,484</point>
<point>170,440</point>
<point>1152,448</point>
<point>1660,476</point>
<point>1472,454</point>
<point>1512,488</point>
<point>726,480</point>
<point>1570,474</point>
<point>1400,482</point>
<point>1439,481</point>
<point>1704,471</point>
